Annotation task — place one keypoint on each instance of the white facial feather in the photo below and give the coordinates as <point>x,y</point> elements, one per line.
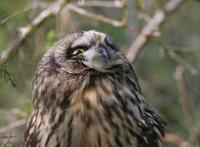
<point>82,40</point>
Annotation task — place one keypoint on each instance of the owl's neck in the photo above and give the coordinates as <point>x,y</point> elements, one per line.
<point>58,87</point>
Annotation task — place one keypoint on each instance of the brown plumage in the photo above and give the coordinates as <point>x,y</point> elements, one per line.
<point>86,94</point>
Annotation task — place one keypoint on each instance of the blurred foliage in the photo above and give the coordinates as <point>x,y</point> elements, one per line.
<point>155,66</point>
<point>4,74</point>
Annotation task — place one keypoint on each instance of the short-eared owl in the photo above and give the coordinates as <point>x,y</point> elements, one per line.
<point>86,94</point>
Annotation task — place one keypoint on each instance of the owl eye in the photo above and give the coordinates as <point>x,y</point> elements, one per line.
<point>78,51</point>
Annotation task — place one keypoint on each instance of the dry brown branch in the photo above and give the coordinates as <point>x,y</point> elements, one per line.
<point>176,139</point>
<point>100,18</point>
<point>24,32</point>
<point>12,126</point>
<point>153,24</point>
<point>172,5</point>
<point>105,4</point>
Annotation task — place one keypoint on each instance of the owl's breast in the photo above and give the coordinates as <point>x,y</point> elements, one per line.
<point>97,120</point>
<point>103,114</point>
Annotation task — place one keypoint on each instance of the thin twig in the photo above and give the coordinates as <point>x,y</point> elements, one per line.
<point>105,4</point>
<point>182,62</point>
<point>142,38</point>
<point>176,139</point>
<point>100,18</point>
<point>183,97</point>
<point>34,6</point>
<point>153,24</point>
<point>12,126</point>
<point>171,51</point>
<point>24,32</point>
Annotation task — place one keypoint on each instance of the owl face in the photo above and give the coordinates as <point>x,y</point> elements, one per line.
<point>90,49</point>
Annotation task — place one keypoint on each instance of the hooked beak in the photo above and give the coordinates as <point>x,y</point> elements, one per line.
<point>97,58</point>
<point>105,53</point>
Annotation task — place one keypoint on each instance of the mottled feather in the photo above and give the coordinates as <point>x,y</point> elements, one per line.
<point>92,99</point>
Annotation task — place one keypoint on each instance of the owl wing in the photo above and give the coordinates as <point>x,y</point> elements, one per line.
<point>150,124</point>
<point>150,127</point>
<point>151,130</point>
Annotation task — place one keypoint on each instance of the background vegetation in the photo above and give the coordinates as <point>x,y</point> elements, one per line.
<point>168,63</point>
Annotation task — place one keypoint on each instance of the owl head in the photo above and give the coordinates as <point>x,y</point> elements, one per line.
<point>86,50</point>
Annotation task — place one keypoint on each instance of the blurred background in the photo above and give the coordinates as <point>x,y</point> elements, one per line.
<point>168,63</point>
